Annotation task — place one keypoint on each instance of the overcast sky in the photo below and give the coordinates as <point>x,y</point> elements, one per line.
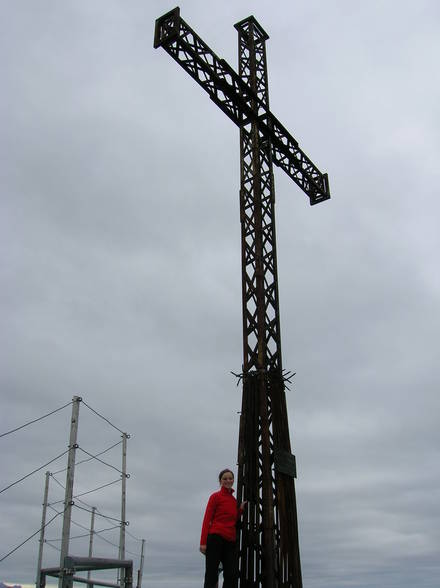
<point>120,279</point>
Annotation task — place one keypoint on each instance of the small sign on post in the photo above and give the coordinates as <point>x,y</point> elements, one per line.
<point>285,463</point>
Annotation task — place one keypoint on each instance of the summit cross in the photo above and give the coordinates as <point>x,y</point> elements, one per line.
<point>268,545</point>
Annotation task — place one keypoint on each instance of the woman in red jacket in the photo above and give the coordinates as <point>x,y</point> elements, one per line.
<point>218,536</point>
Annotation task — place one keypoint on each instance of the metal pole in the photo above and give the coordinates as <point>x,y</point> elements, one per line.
<point>92,532</point>
<point>123,504</point>
<point>141,566</point>
<point>65,581</point>
<point>43,524</point>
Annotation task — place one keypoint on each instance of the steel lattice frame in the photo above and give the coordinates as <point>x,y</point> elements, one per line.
<point>268,539</point>
<point>236,99</point>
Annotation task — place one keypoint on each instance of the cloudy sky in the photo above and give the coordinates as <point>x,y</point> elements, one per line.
<point>120,279</point>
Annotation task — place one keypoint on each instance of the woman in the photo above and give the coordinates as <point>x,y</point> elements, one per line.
<point>217,540</point>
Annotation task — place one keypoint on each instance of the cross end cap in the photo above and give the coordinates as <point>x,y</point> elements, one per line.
<point>166,27</point>
<point>320,196</point>
<point>259,32</point>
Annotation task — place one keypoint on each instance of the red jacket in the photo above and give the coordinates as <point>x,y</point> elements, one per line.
<point>221,516</point>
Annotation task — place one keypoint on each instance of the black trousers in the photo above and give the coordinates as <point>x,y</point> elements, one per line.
<point>219,550</point>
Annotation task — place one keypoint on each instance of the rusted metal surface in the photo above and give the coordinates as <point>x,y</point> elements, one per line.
<point>268,542</point>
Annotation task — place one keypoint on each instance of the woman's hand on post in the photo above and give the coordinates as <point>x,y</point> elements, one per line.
<point>203,549</point>
<point>243,505</point>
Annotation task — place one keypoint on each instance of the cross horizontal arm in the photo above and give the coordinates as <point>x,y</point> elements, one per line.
<point>236,99</point>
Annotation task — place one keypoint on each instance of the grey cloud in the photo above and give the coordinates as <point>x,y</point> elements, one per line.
<point>120,271</point>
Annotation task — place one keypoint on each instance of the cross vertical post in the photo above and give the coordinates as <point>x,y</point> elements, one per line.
<point>269,550</point>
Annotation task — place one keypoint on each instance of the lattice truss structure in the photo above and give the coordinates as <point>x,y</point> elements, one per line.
<point>268,539</point>
<point>235,97</point>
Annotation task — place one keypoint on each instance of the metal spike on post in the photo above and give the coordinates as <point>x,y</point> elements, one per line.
<point>92,533</point>
<point>123,504</point>
<point>141,566</point>
<point>43,524</point>
<point>65,581</point>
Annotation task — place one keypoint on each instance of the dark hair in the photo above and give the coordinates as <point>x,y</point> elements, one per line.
<point>220,476</point>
